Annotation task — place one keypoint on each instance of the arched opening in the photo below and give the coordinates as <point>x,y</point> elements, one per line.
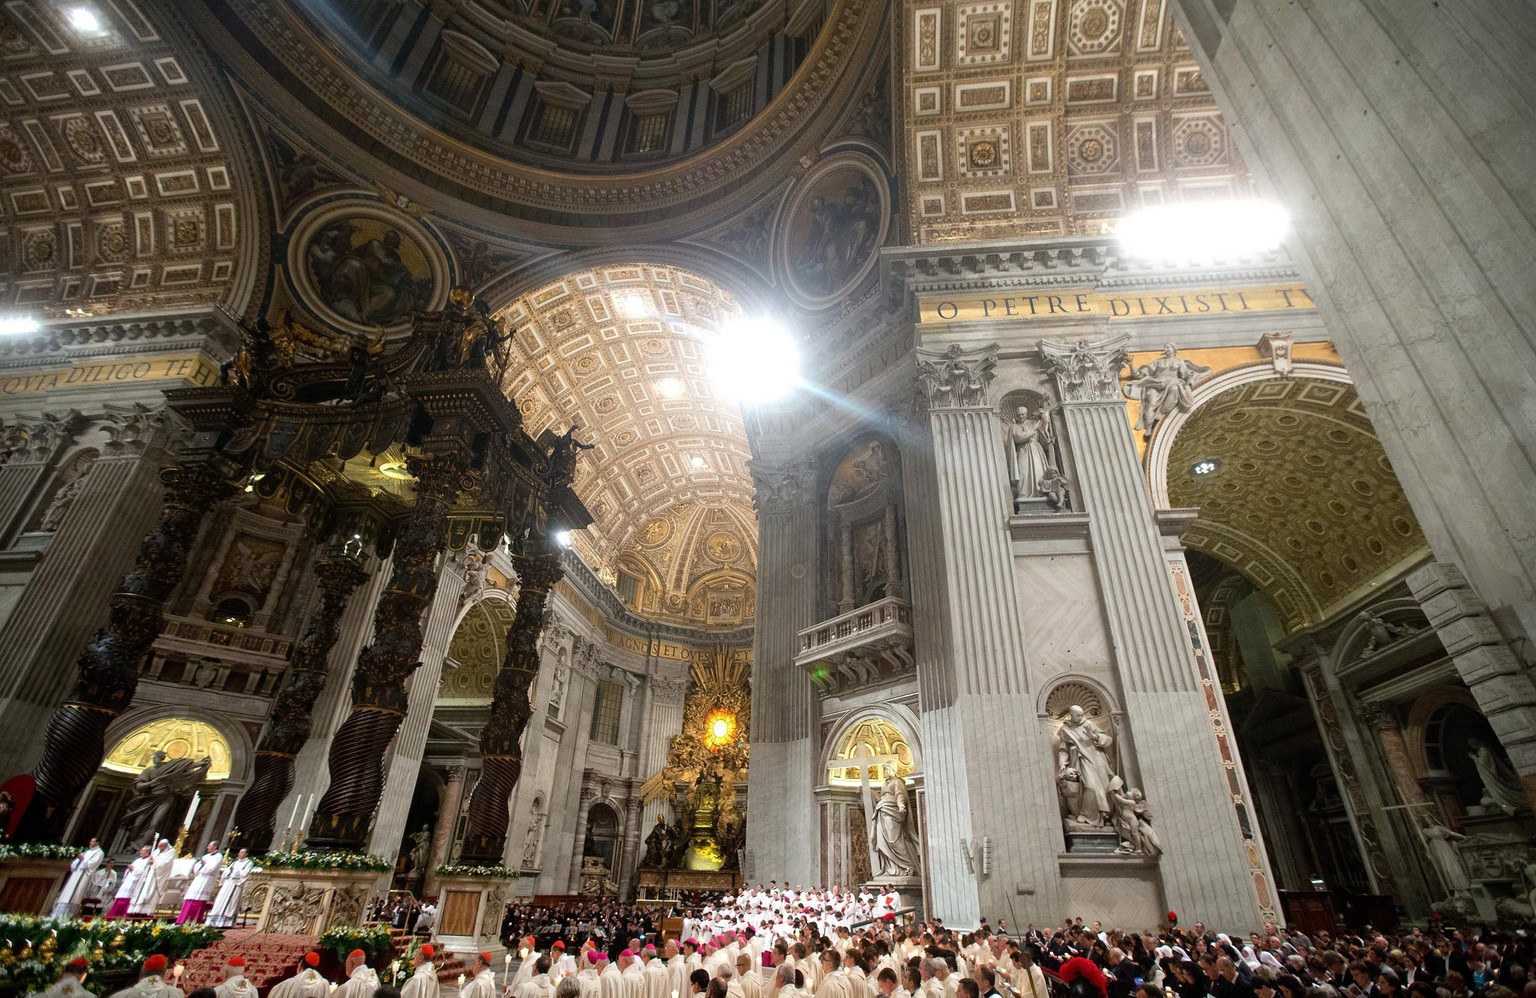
<point>148,781</point>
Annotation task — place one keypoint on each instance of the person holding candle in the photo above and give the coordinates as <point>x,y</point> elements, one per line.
<point>226,907</point>
<point>361,981</point>
<point>205,877</point>
<point>423,983</point>
<point>483,984</point>
<point>307,983</point>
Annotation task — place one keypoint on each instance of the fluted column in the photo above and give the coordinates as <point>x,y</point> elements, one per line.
<point>62,605</point>
<point>485,838</point>
<point>38,443</point>
<point>290,723</point>
<point>971,654</point>
<point>633,806</point>
<point>448,806</point>
<point>107,672</point>
<point>784,707</point>
<point>579,843</point>
<point>378,683</point>
<point>1176,747</point>
<point>663,720</point>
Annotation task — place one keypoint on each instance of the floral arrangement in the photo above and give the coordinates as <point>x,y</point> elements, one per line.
<point>309,860</point>
<point>343,939</point>
<point>37,949</point>
<point>455,870</point>
<point>39,850</point>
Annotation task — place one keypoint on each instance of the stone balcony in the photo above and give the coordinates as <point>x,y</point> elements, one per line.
<point>866,647</point>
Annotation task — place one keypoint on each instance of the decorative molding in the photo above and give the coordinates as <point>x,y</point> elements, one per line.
<point>783,488</point>
<point>955,378</point>
<point>1086,371</point>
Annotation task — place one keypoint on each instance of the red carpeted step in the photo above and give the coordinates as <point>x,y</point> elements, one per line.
<point>268,958</point>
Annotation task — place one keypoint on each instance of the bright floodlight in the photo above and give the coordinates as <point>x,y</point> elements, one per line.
<point>754,360</point>
<point>633,305</point>
<point>1205,231</point>
<point>84,20</point>
<point>19,325</point>
<point>563,538</point>
<point>669,388</point>
<point>697,463</point>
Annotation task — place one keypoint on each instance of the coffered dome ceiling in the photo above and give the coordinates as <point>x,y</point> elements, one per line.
<point>570,112</point>
<point>620,352</point>
<point>1303,502</point>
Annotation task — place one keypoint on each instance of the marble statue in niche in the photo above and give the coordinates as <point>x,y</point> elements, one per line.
<point>1163,386</point>
<point>1031,441</point>
<point>1501,785</point>
<point>1100,811</point>
<point>892,830</point>
<point>1083,769</point>
<point>155,791</point>
<point>63,499</point>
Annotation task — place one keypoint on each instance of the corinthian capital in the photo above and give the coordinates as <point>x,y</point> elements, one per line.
<point>1086,370</point>
<point>781,488</point>
<point>955,378</point>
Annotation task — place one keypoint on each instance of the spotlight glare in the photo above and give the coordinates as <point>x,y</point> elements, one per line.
<point>1206,231</point>
<point>563,538</point>
<point>1205,467</point>
<point>754,361</point>
<point>697,463</point>
<point>84,20</point>
<point>19,325</point>
<point>669,388</point>
<point>633,305</point>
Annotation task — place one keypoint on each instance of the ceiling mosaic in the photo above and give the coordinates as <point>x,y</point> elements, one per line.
<point>1054,117</point>
<point>1303,502</point>
<point>620,352</point>
<point>119,192</point>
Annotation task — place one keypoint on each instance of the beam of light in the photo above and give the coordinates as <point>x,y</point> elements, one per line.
<point>1204,232</point>
<point>84,20</point>
<point>21,325</point>
<point>754,361</point>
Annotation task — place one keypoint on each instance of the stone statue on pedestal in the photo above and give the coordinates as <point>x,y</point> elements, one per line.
<point>421,851</point>
<point>1029,440</point>
<point>1440,844</point>
<point>1083,769</point>
<point>891,834</point>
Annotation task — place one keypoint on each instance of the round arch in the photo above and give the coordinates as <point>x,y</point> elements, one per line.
<point>895,716</point>
<point>1162,440</point>
<point>241,751</point>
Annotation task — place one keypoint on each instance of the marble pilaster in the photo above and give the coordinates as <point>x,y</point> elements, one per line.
<point>1399,137</point>
<point>449,804</point>
<point>1177,755</point>
<point>785,739</point>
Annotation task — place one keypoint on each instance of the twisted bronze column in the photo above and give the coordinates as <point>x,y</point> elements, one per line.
<point>378,683</point>
<point>107,672</point>
<point>289,727</point>
<point>485,837</point>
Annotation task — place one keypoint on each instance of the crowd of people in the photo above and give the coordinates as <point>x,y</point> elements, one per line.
<point>213,894</point>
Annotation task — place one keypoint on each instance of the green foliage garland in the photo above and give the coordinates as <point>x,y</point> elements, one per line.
<point>39,850</point>
<point>36,949</point>
<point>500,872</point>
<point>308,860</point>
<point>371,939</point>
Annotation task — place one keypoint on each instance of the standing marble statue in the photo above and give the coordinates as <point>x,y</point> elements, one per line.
<point>1501,787</point>
<point>1163,386</point>
<point>891,834</point>
<point>81,870</point>
<point>1029,440</point>
<point>1440,844</point>
<point>155,790</point>
<point>1082,752</point>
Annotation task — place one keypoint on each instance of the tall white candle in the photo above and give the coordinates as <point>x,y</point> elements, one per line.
<point>192,809</point>
<point>294,817</point>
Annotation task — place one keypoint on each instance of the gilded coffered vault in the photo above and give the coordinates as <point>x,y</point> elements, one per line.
<point>620,353</point>
<point>1303,502</point>
<point>1054,117</point>
<point>126,186</point>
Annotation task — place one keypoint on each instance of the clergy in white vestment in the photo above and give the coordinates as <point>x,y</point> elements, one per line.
<point>483,984</point>
<point>81,869</point>
<point>784,982</point>
<point>732,986</point>
<point>835,983</point>
<point>610,980</point>
<point>423,982</point>
<point>529,957</point>
<point>561,964</point>
<point>362,980</point>
<point>589,976</point>
<point>537,986</point>
<point>137,870</point>
<point>98,894</point>
<point>226,906</point>
<point>151,887</point>
<point>151,984</point>
<point>631,974</point>
<point>307,983</point>
<point>234,984</point>
<point>751,984</point>
<point>205,878</point>
<point>68,985</point>
<point>658,983</point>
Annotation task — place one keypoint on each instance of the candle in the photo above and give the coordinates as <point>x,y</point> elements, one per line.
<point>309,812</point>
<point>461,982</point>
<point>192,809</point>
<point>181,968</point>
<point>294,817</point>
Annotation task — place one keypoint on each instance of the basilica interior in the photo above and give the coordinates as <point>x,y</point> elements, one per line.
<point>671,445</point>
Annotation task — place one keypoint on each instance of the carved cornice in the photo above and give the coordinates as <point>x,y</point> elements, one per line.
<point>599,595</point>
<point>1086,371</point>
<point>119,337</point>
<point>39,439</point>
<point>955,378</point>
